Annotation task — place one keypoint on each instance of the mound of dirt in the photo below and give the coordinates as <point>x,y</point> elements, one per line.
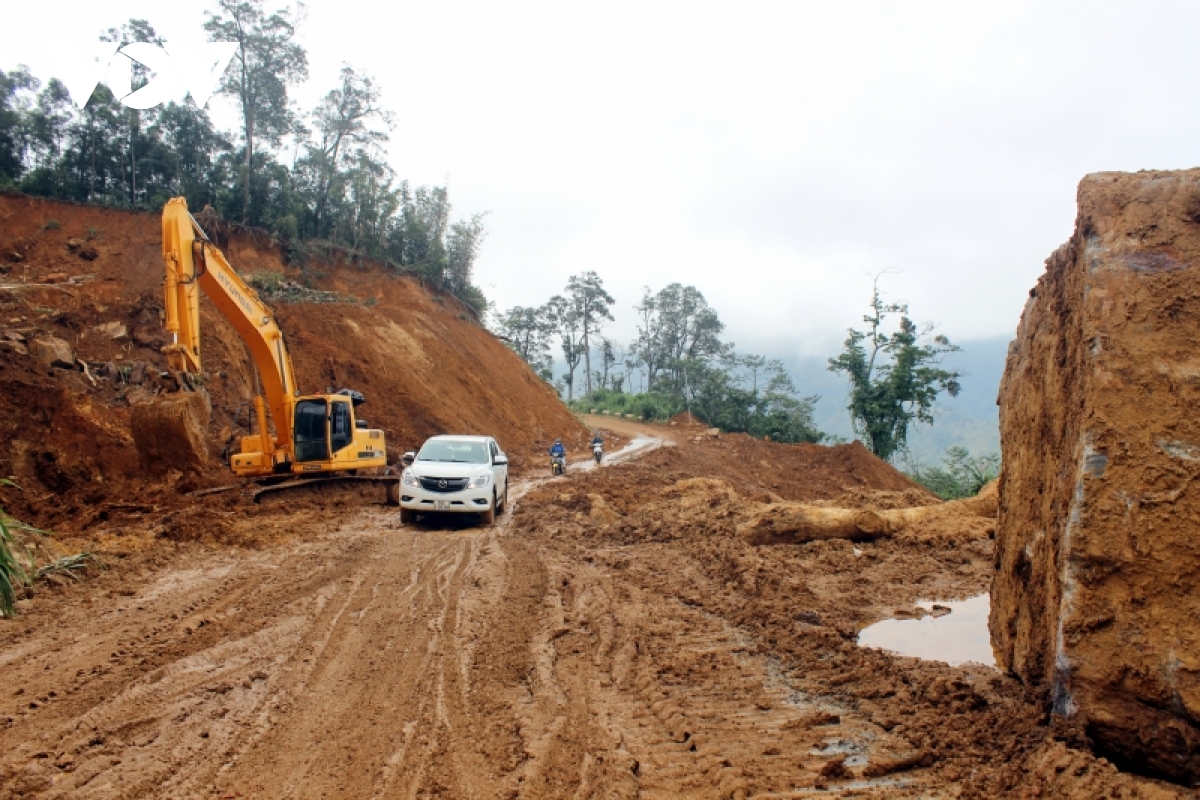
<point>685,418</point>
<point>659,523</point>
<point>772,472</point>
<point>797,523</point>
<point>92,278</point>
<point>1098,513</point>
<point>699,494</point>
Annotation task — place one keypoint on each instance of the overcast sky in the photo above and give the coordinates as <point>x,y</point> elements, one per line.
<point>774,154</point>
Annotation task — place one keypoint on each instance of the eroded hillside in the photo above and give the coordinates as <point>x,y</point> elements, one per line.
<point>92,277</point>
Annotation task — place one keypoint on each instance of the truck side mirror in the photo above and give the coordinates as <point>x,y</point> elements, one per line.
<point>408,458</point>
<point>500,460</point>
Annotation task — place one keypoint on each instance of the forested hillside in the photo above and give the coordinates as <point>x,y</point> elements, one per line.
<point>314,178</point>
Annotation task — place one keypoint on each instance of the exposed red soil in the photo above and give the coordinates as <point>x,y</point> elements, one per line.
<point>614,637</point>
<point>769,470</point>
<point>1099,507</point>
<point>663,525</point>
<point>686,418</point>
<point>418,355</point>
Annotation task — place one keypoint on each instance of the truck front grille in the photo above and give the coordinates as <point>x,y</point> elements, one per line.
<point>445,485</point>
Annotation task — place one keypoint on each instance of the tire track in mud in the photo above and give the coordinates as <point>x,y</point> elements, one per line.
<point>689,703</point>
<point>375,669</point>
<point>223,635</point>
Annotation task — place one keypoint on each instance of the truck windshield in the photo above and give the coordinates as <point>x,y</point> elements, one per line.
<point>454,452</point>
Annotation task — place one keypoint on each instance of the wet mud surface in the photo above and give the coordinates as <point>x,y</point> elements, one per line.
<point>612,636</point>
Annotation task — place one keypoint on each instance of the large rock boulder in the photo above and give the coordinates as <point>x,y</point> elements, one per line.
<point>112,330</point>
<point>1096,598</point>
<point>53,352</point>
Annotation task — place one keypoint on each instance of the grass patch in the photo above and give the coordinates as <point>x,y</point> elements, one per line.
<point>69,566</point>
<point>646,406</point>
<point>16,560</point>
<point>274,287</point>
<point>18,563</point>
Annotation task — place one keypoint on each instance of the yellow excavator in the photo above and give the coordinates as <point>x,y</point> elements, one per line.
<point>315,436</point>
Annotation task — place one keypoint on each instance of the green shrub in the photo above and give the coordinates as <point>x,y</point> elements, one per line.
<point>648,406</point>
<point>962,475</point>
<point>265,280</point>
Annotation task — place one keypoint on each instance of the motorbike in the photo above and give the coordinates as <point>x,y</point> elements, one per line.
<point>598,451</point>
<point>558,465</point>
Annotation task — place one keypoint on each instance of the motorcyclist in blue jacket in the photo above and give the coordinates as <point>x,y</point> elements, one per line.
<point>557,450</point>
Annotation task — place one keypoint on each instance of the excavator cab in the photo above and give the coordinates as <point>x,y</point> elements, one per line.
<point>326,435</point>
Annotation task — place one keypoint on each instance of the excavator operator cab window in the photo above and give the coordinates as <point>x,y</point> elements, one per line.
<point>310,431</point>
<point>341,429</point>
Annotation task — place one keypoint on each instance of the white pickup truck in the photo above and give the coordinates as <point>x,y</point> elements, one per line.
<point>455,475</point>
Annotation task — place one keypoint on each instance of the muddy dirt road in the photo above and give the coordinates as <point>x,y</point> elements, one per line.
<point>378,663</point>
<point>577,649</point>
<point>375,662</point>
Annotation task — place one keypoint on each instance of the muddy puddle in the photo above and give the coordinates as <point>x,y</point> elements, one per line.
<point>956,637</point>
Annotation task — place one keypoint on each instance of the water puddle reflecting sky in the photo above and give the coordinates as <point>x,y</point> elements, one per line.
<point>956,638</point>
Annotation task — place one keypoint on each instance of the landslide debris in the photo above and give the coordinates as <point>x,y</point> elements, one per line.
<point>797,523</point>
<point>575,651</point>
<point>1093,600</point>
<point>80,332</point>
<point>661,524</point>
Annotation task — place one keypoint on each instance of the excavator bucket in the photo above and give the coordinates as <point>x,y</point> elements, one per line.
<point>168,431</point>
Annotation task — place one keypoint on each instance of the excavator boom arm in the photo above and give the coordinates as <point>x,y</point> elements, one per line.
<point>193,262</point>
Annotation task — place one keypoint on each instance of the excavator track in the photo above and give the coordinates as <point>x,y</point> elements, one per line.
<point>323,480</point>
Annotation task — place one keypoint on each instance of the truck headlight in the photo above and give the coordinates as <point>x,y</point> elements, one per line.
<point>408,479</point>
<point>481,481</point>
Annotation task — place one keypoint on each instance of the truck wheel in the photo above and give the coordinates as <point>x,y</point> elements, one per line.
<point>504,500</point>
<point>407,516</point>
<point>489,517</point>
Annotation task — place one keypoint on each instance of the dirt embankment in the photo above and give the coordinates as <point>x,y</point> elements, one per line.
<point>1094,594</point>
<point>855,719</point>
<point>92,278</point>
<point>770,471</point>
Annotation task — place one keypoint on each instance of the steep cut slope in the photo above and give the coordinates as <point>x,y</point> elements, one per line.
<point>1094,595</point>
<point>91,277</point>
